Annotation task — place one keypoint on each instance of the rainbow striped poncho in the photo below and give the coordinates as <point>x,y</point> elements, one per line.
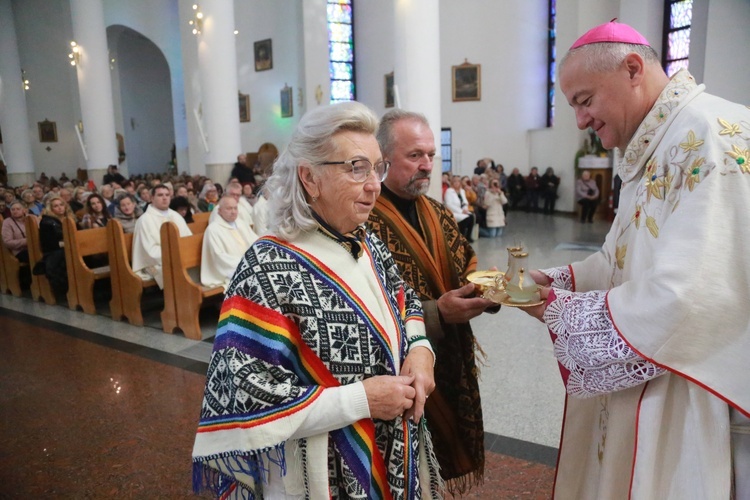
<point>291,328</point>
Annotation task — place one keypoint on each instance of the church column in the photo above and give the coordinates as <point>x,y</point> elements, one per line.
<point>217,58</point>
<point>417,61</point>
<point>14,120</point>
<point>94,86</point>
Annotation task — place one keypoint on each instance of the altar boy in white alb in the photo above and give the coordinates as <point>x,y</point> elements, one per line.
<point>147,237</point>
<point>224,243</point>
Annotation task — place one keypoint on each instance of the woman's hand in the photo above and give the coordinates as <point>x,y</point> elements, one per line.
<point>389,396</point>
<point>420,363</point>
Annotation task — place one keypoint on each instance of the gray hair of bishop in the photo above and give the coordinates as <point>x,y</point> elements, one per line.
<point>606,56</point>
<point>311,144</point>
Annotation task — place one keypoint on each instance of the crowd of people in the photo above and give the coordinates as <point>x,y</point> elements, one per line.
<point>485,198</point>
<point>133,203</point>
<point>350,319</point>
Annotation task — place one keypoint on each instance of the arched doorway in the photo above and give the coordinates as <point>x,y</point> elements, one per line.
<point>142,94</point>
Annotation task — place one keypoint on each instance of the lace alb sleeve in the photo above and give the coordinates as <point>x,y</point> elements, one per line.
<point>593,358</point>
<point>562,277</point>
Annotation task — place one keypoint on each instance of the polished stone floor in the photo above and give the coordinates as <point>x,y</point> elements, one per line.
<point>91,408</point>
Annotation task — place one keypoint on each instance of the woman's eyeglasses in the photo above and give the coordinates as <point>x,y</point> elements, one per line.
<point>361,168</point>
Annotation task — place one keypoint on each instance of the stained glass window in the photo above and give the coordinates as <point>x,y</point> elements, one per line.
<point>446,148</point>
<point>551,57</point>
<point>341,50</point>
<point>678,17</point>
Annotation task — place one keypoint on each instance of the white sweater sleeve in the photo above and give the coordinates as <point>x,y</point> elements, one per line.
<point>336,407</point>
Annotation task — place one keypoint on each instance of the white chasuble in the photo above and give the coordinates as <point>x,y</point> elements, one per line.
<point>224,245</point>
<point>147,242</point>
<point>672,282</point>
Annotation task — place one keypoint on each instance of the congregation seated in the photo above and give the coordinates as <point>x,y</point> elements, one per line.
<point>225,241</point>
<point>95,213</point>
<point>147,261</point>
<point>244,208</point>
<point>456,202</point>
<point>260,212</point>
<point>208,197</point>
<point>113,175</point>
<point>51,242</point>
<point>127,212</point>
<point>243,172</point>
<point>27,197</point>
<point>182,206</point>
<point>14,231</point>
<point>37,203</point>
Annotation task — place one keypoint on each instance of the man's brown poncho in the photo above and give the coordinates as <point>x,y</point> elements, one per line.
<point>433,265</point>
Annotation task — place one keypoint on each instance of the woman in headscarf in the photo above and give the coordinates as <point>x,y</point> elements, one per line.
<point>208,198</point>
<point>127,211</point>
<point>321,367</point>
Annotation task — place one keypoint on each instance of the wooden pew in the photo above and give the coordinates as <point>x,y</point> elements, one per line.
<point>200,222</point>
<point>81,278</point>
<point>40,286</point>
<point>10,268</point>
<point>182,296</point>
<point>127,287</point>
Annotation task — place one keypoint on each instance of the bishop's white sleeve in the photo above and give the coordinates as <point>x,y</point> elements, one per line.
<point>593,358</point>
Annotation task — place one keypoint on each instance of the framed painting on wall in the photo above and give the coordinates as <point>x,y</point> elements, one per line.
<point>467,82</point>
<point>286,102</point>
<point>263,55</point>
<point>47,131</point>
<point>244,107</point>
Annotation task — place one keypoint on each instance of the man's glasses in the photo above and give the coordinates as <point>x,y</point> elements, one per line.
<point>361,168</point>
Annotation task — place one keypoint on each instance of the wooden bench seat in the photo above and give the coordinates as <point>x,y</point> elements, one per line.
<point>200,222</point>
<point>81,278</point>
<point>182,296</point>
<point>40,285</point>
<point>127,287</point>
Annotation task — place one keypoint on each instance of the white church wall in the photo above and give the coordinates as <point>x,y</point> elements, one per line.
<point>44,32</point>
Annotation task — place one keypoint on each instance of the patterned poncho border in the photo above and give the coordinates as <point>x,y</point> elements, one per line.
<point>260,331</point>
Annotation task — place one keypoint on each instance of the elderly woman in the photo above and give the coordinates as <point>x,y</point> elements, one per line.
<point>208,198</point>
<point>14,231</point>
<point>320,369</point>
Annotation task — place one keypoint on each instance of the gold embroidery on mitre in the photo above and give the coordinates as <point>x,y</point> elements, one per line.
<point>652,226</point>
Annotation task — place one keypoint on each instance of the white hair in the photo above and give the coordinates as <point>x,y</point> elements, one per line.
<point>311,144</point>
